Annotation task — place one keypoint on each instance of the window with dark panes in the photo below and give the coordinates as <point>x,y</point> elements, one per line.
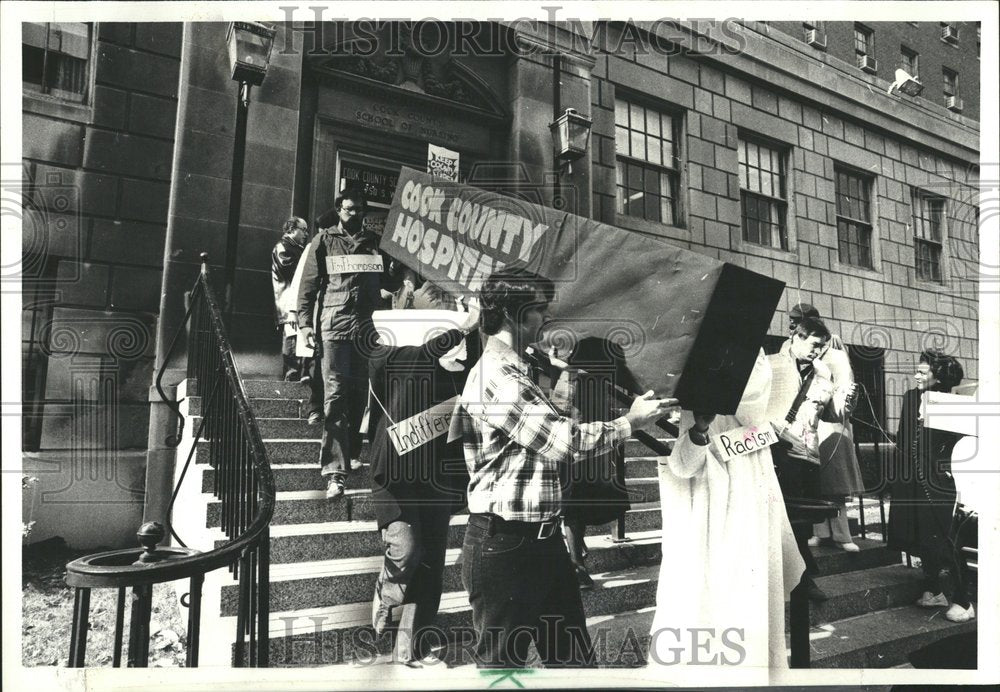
<point>854,218</point>
<point>646,161</point>
<point>950,79</point>
<point>55,59</point>
<point>864,40</point>
<point>762,193</point>
<point>929,214</point>
<point>909,60</point>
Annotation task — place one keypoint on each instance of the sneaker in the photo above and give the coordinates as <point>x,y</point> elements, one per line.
<point>813,542</point>
<point>315,418</point>
<point>583,578</point>
<point>334,488</point>
<point>427,661</point>
<point>305,379</point>
<point>849,547</point>
<point>957,613</point>
<point>929,600</point>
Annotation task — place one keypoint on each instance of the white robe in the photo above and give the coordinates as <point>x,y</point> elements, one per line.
<point>729,555</point>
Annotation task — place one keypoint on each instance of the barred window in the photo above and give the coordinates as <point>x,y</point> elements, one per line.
<point>762,194</point>
<point>929,214</point>
<point>55,59</point>
<point>646,147</point>
<point>854,220</point>
<point>909,60</point>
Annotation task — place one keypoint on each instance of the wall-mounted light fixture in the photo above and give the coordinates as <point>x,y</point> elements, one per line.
<point>570,136</point>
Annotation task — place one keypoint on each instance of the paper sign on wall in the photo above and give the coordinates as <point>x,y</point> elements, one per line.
<point>407,435</point>
<point>442,162</point>
<point>351,264</point>
<point>741,441</point>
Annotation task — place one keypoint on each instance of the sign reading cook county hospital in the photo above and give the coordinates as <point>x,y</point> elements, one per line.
<point>683,324</point>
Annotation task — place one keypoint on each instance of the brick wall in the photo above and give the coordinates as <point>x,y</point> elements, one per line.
<point>922,37</point>
<point>99,176</point>
<point>885,307</point>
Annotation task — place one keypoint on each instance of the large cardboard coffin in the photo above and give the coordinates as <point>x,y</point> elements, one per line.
<point>678,322</point>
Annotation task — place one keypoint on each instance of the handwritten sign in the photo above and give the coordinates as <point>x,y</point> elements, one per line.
<point>442,162</point>
<point>352,264</point>
<point>741,441</point>
<point>418,430</point>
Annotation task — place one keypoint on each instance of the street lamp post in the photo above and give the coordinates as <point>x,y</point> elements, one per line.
<point>249,54</point>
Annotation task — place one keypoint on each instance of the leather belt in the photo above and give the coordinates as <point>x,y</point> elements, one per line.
<point>535,530</point>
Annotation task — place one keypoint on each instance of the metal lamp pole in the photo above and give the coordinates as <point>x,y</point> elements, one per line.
<point>236,195</point>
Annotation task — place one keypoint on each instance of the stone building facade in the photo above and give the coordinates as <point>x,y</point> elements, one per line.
<point>745,141</point>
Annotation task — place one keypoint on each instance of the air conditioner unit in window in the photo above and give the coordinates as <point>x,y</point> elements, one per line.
<point>949,33</point>
<point>954,103</point>
<point>816,38</point>
<point>867,63</point>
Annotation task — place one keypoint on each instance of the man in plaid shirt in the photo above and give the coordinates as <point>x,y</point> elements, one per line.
<point>522,585</point>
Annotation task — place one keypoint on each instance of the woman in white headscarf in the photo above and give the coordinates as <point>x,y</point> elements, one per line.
<point>729,556</point>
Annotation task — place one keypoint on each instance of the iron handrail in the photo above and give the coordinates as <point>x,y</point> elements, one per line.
<point>247,501</point>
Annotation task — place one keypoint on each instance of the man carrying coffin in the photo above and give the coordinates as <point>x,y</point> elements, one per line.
<point>418,476</point>
<point>343,271</point>
<point>522,585</point>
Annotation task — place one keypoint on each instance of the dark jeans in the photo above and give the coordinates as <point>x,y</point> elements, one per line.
<point>523,590</point>
<point>798,480</point>
<point>290,363</point>
<point>345,384</point>
<point>314,367</point>
<point>413,567</point>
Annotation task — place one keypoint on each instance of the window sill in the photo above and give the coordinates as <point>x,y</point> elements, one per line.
<point>653,228</point>
<point>40,104</point>
<point>929,285</point>
<point>748,248</point>
<point>842,268</point>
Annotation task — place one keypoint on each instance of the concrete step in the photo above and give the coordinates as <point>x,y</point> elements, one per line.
<point>278,452</point>
<point>336,633</point>
<point>881,639</point>
<point>262,408</point>
<point>347,539</point>
<point>864,591</point>
<point>873,553</point>
<point>301,477</point>
<point>332,582</point>
<point>275,389</point>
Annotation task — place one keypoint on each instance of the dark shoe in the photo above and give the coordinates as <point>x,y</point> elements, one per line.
<point>583,578</point>
<point>334,488</point>
<point>815,593</point>
<point>305,379</point>
<point>315,418</point>
<point>291,376</point>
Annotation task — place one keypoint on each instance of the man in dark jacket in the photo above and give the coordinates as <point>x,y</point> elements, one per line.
<point>342,271</point>
<point>284,258</point>
<point>419,478</point>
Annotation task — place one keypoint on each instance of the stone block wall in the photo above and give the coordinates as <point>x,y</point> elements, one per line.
<point>884,307</point>
<point>98,179</point>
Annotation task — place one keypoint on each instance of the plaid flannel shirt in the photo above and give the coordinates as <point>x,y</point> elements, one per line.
<point>514,439</point>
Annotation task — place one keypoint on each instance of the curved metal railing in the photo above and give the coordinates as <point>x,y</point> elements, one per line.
<point>244,486</point>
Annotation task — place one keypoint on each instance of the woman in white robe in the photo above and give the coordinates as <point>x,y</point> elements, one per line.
<point>729,556</point>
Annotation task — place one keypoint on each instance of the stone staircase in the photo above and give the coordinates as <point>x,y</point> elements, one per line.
<point>325,558</point>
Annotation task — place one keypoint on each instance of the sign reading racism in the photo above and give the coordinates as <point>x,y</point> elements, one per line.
<point>739,442</point>
<point>675,321</point>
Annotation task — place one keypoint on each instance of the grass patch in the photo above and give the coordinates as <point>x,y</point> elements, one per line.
<point>48,614</point>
